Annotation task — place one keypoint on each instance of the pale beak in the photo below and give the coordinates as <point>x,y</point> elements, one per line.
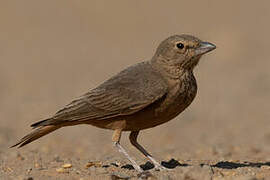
<point>204,47</point>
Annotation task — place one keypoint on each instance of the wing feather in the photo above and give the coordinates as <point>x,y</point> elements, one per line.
<point>126,93</point>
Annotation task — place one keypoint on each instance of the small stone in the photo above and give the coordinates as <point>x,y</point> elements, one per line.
<point>9,169</point>
<point>265,167</point>
<point>67,166</point>
<point>228,173</point>
<point>28,178</point>
<point>20,157</point>
<point>37,165</point>
<point>117,175</point>
<point>116,164</point>
<point>61,170</point>
<point>93,163</point>
<point>29,170</point>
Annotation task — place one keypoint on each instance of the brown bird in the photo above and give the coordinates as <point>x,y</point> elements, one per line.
<point>142,96</point>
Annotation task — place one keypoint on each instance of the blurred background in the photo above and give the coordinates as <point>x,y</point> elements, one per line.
<point>53,51</point>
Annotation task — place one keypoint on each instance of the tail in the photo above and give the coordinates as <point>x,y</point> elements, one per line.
<point>37,133</point>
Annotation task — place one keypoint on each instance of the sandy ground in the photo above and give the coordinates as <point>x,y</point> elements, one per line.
<point>54,51</point>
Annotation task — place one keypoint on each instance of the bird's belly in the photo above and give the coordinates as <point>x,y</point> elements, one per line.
<point>154,116</point>
<point>149,117</point>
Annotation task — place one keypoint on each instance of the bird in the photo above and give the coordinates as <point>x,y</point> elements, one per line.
<point>139,97</point>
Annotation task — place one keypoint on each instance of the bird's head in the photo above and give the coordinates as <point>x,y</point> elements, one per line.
<point>182,51</point>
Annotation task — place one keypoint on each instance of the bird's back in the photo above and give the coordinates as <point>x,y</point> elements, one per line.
<point>126,93</point>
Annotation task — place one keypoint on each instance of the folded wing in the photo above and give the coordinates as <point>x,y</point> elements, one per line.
<point>126,93</point>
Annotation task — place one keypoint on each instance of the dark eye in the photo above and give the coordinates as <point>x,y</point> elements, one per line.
<point>180,45</point>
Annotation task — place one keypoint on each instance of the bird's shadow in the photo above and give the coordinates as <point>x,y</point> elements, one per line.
<point>171,164</point>
<point>233,165</point>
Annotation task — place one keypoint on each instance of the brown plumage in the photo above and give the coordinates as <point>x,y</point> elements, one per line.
<point>140,97</point>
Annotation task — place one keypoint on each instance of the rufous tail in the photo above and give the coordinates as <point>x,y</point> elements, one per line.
<point>35,134</point>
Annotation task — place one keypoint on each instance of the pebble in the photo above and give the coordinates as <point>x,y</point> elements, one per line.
<point>37,165</point>
<point>28,178</point>
<point>61,170</point>
<point>29,170</point>
<point>67,166</point>
<point>265,167</point>
<point>94,163</point>
<point>20,157</point>
<point>117,175</point>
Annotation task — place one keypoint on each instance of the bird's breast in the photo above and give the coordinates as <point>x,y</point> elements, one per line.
<point>179,97</point>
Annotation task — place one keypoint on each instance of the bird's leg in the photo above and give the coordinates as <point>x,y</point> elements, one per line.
<point>116,142</point>
<point>133,139</point>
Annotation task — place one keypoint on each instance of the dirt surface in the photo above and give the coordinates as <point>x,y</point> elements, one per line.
<point>54,51</point>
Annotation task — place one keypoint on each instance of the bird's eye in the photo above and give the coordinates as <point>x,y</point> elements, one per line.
<point>180,45</point>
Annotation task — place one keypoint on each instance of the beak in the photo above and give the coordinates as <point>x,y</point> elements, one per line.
<point>204,47</point>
